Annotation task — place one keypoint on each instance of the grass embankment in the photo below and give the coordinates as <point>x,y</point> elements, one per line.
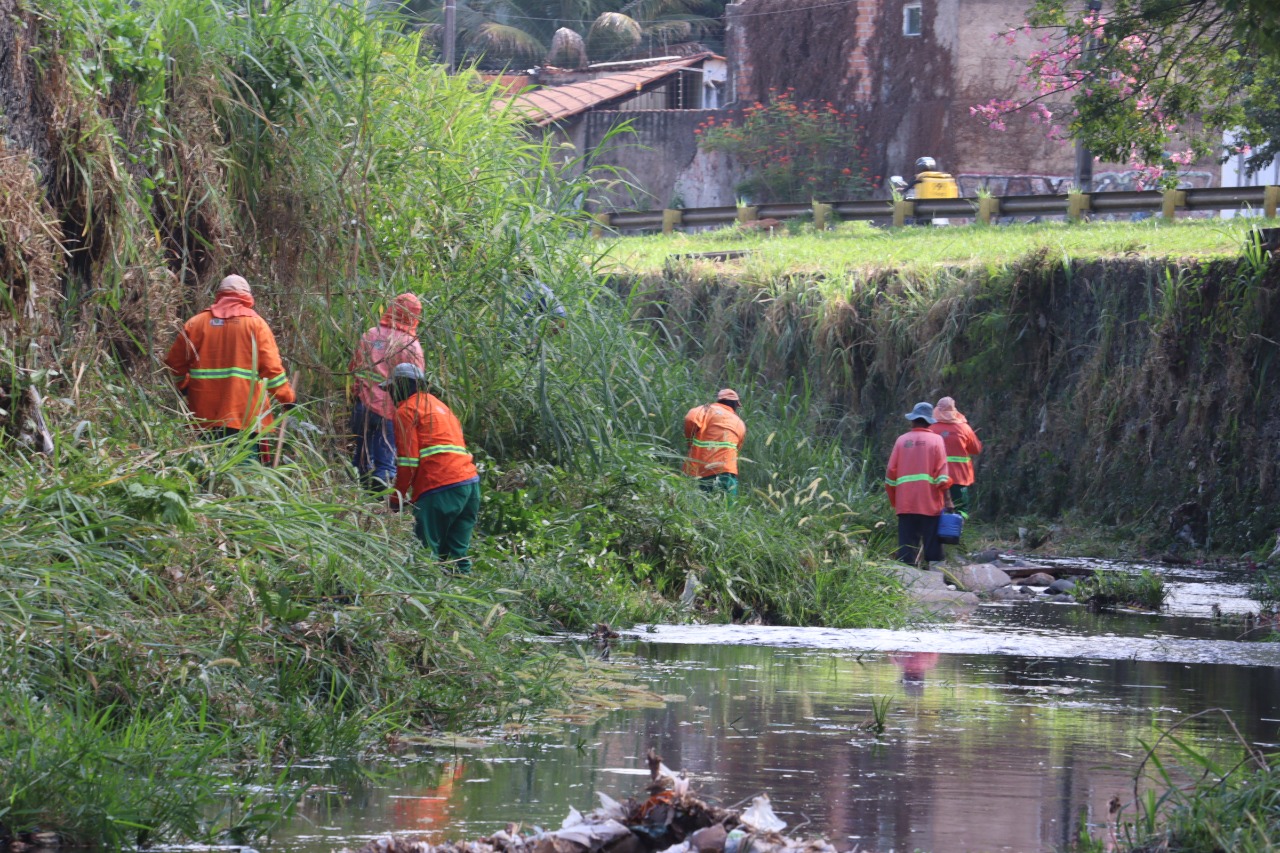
<point>176,620</point>
<point>1116,372</point>
<point>853,247</point>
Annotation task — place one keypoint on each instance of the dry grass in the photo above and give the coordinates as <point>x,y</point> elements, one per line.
<point>30,274</point>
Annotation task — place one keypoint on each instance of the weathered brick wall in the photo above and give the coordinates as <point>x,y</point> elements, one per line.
<point>915,93</point>
<point>660,157</point>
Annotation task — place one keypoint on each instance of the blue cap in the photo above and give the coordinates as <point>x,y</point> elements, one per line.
<point>921,411</point>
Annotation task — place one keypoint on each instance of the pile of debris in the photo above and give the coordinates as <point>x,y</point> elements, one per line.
<point>669,820</point>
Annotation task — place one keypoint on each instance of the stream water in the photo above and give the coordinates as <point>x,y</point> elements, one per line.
<point>1004,730</point>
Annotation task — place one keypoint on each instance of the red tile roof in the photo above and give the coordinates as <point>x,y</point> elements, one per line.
<point>555,103</point>
<point>512,84</point>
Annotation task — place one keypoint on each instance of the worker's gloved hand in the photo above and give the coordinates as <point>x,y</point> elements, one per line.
<point>395,503</point>
<point>288,407</point>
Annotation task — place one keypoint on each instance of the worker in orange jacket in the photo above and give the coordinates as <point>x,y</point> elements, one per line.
<point>962,445</point>
<point>434,471</point>
<point>715,434</point>
<point>916,482</point>
<point>227,364</point>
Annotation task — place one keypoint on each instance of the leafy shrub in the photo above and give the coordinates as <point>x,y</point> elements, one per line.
<point>1265,589</point>
<point>1111,589</point>
<point>793,151</point>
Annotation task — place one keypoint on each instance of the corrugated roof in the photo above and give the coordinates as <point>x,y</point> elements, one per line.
<point>556,103</point>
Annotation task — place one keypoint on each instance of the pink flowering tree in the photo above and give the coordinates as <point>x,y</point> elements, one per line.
<point>1153,83</point>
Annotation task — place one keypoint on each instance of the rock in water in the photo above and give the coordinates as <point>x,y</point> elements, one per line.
<point>1039,579</point>
<point>982,577</point>
<point>1062,585</point>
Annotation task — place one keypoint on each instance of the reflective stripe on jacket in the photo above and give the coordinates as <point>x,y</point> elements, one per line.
<point>227,367</point>
<point>715,434</point>
<point>430,450</point>
<point>962,445</point>
<point>380,349</point>
<point>917,475</point>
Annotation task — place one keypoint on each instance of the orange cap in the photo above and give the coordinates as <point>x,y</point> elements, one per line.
<point>727,395</point>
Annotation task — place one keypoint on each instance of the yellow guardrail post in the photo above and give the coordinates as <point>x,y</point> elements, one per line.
<point>901,210</point>
<point>821,216</point>
<point>1171,200</point>
<point>1078,204</point>
<point>988,209</point>
<point>1270,200</point>
<point>747,214</point>
<point>670,219</point>
<point>600,225</point>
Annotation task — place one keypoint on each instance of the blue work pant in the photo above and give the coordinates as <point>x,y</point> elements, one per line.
<point>917,534</point>
<point>375,456</point>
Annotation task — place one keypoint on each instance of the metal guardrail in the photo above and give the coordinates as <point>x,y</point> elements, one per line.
<point>1071,205</point>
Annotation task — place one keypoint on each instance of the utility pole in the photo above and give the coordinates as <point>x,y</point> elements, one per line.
<point>1084,157</point>
<point>450,34</point>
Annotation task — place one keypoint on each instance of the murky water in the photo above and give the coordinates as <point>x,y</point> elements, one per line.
<point>1002,730</point>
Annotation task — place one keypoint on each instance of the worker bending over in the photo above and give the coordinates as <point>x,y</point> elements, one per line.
<point>916,482</point>
<point>434,471</point>
<point>715,434</point>
<point>226,363</point>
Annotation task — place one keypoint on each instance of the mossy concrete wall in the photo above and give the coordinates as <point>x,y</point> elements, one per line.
<point>1142,392</point>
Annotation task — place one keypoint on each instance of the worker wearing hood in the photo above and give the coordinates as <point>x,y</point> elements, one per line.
<point>962,445</point>
<point>226,363</point>
<point>393,341</point>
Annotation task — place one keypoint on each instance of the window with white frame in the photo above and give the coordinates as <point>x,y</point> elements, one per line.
<point>912,19</point>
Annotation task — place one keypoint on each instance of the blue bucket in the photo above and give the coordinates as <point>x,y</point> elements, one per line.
<point>950,526</point>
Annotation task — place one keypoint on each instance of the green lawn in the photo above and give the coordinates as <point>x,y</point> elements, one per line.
<point>858,246</point>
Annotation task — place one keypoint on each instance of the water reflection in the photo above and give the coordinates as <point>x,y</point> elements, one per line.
<point>982,752</point>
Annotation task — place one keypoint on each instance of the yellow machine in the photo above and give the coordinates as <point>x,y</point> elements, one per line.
<point>936,185</point>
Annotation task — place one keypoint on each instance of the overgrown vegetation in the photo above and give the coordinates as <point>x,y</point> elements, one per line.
<point>1105,590</point>
<point>1104,376</point>
<point>1196,803</point>
<point>176,619</point>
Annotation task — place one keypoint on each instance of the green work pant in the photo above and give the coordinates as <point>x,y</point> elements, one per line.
<point>727,483</point>
<point>443,522</point>
<point>960,497</point>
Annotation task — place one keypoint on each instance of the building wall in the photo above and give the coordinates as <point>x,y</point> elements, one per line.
<point>914,92</point>
<point>659,163</point>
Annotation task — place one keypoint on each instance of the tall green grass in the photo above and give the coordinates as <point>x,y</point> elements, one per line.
<point>176,618</point>
<point>1195,801</point>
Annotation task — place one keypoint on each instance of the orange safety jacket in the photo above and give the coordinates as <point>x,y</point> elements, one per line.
<point>227,365</point>
<point>715,434</point>
<point>962,445</point>
<point>916,479</point>
<point>430,450</point>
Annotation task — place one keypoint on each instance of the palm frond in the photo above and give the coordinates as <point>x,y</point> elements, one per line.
<point>613,34</point>
<point>506,42</point>
<point>568,49</point>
